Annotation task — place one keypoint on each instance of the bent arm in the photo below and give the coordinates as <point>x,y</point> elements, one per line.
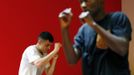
<point>117,44</point>
<point>71,54</point>
<point>51,69</point>
<point>42,61</point>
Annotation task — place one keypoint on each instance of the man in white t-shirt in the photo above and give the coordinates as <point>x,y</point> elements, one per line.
<point>35,59</point>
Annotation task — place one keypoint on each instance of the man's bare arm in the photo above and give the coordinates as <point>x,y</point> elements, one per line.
<point>65,18</point>
<point>71,54</point>
<point>50,70</point>
<point>117,44</point>
<point>43,61</point>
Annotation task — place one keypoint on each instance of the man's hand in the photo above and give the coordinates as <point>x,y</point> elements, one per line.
<point>85,17</point>
<point>101,43</point>
<point>65,18</point>
<point>57,46</point>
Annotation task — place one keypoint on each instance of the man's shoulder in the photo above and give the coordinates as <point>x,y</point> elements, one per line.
<point>30,48</point>
<point>84,26</point>
<point>85,29</point>
<point>117,14</point>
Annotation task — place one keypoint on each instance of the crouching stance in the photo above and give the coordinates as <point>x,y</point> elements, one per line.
<point>36,59</point>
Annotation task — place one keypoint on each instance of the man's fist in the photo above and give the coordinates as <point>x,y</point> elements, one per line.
<point>65,18</point>
<point>85,17</point>
<point>100,42</point>
<point>58,46</point>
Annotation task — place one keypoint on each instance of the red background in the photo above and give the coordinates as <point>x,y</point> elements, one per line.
<point>22,20</point>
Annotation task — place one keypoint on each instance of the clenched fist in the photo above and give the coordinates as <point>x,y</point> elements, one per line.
<point>85,17</point>
<point>57,46</point>
<point>65,18</point>
<point>100,42</point>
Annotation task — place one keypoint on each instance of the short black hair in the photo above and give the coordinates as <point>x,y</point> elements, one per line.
<point>46,36</point>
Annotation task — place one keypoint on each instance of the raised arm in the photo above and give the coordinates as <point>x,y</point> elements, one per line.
<point>71,54</point>
<point>50,70</point>
<point>43,61</point>
<point>118,43</point>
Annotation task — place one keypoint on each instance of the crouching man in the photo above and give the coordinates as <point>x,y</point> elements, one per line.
<point>36,59</point>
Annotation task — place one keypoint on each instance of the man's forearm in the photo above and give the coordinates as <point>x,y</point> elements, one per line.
<point>50,56</point>
<point>68,48</point>
<point>46,59</point>
<point>117,44</point>
<point>52,67</point>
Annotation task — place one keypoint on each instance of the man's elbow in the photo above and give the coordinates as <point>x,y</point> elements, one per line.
<point>73,60</point>
<point>124,47</point>
<point>123,51</point>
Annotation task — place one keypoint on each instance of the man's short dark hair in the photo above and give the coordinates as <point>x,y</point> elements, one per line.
<point>46,36</point>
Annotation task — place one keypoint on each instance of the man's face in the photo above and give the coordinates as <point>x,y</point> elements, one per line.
<point>94,6</point>
<point>45,45</point>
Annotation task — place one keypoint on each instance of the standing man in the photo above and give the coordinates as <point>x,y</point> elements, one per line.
<point>36,59</point>
<point>102,41</point>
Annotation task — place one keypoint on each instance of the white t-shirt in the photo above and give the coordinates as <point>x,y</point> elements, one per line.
<point>26,66</point>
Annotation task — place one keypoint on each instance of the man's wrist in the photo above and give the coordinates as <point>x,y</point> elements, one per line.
<point>64,31</point>
<point>55,60</point>
<point>64,28</point>
<point>56,49</point>
<point>93,24</point>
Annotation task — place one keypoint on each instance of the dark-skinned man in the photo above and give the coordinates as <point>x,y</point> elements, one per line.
<point>102,41</point>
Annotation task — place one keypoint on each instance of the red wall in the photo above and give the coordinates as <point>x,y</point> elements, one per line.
<point>22,20</point>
